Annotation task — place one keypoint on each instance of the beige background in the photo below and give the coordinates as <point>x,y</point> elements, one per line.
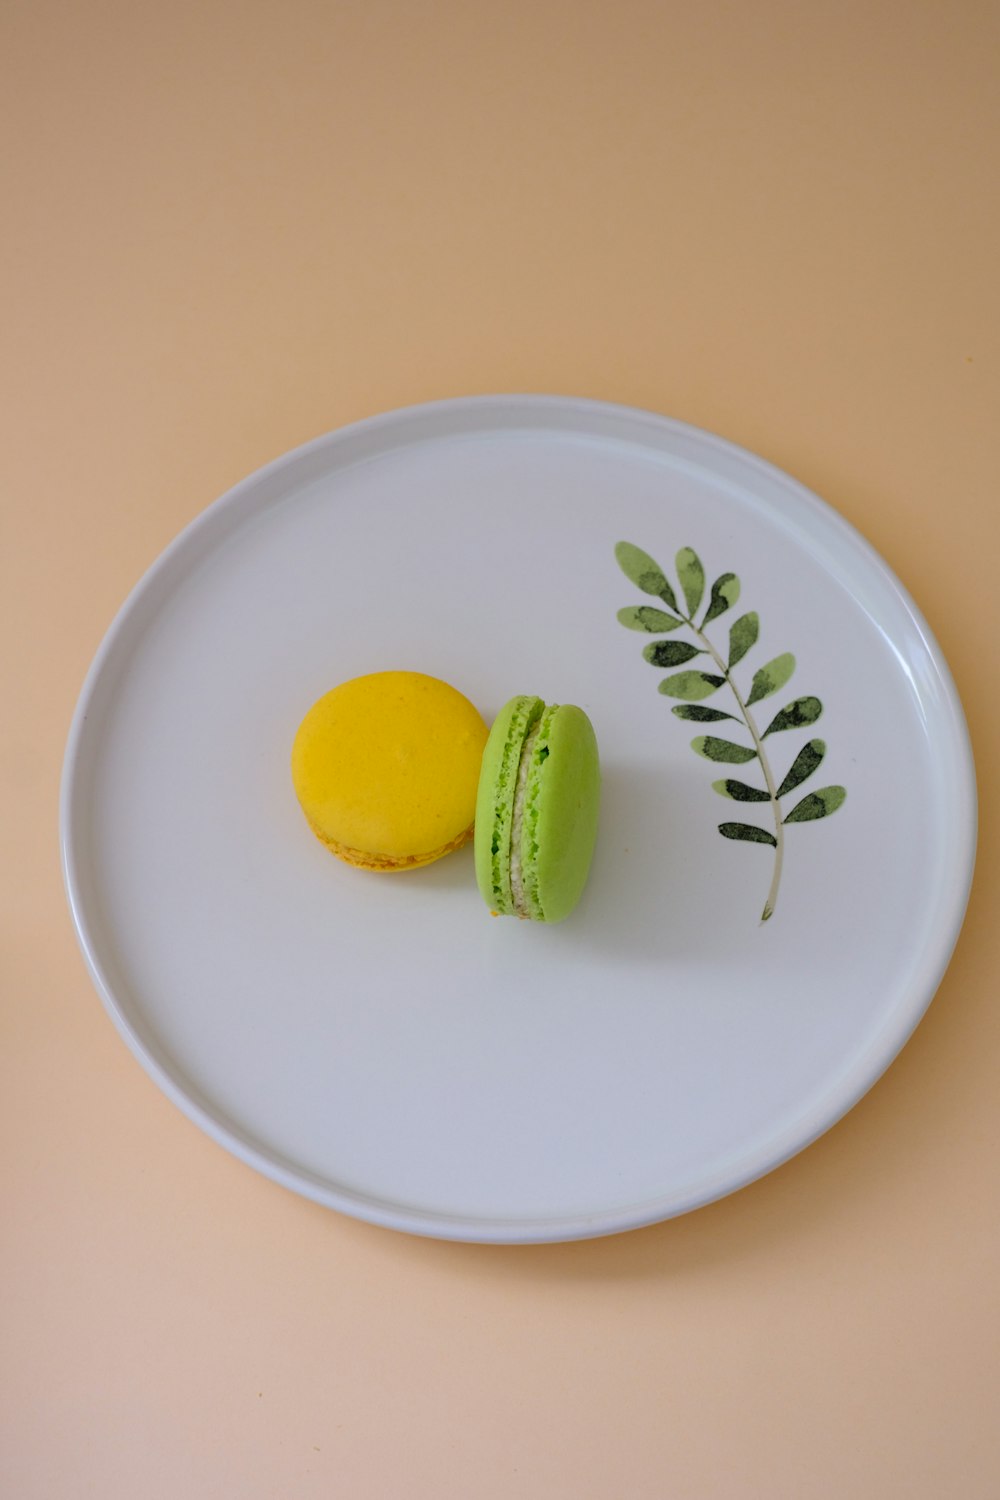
<point>232,226</point>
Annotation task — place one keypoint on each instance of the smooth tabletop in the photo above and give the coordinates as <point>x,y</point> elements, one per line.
<point>231,229</point>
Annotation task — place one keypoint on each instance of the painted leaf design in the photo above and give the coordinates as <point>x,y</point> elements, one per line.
<point>771,677</point>
<point>645,617</point>
<point>725,592</point>
<point>804,764</point>
<point>645,573</point>
<point>723,750</point>
<point>742,635</point>
<point>748,833</point>
<point>691,685</point>
<point>795,716</point>
<point>700,713</point>
<point>817,805</point>
<point>739,791</point>
<point>670,653</point>
<point>692,577</point>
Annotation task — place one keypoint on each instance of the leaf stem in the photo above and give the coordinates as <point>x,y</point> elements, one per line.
<point>779,832</point>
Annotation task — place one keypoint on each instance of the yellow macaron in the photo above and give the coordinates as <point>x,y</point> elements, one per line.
<point>386,769</point>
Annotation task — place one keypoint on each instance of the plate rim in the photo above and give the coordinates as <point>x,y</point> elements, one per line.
<point>527,1230</point>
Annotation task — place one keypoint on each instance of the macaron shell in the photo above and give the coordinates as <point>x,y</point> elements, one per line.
<point>364,859</point>
<point>386,768</point>
<point>560,834</point>
<point>495,799</point>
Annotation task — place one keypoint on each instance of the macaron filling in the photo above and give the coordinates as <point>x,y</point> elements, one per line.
<point>526,713</point>
<point>525,900</point>
<point>518,895</point>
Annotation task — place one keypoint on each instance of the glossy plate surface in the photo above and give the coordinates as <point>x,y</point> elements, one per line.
<point>380,1043</point>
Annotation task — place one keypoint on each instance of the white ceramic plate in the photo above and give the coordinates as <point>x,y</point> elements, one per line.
<point>381,1043</point>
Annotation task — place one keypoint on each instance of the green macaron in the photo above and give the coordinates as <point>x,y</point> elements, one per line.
<point>536,811</point>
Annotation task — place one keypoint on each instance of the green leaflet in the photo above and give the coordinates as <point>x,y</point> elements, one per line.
<point>691,685</point>
<point>804,764</point>
<point>700,713</point>
<point>749,834</point>
<point>670,653</point>
<point>645,617</point>
<point>817,805</point>
<point>722,750</point>
<point>645,573</point>
<point>739,791</point>
<point>742,635</point>
<point>795,716</point>
<point>725,592</point>
<point>692,577</point>
<point>771,677</point>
